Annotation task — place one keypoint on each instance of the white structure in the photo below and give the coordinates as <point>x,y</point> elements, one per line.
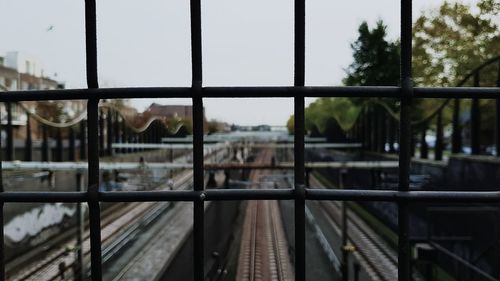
<point>23,63</point>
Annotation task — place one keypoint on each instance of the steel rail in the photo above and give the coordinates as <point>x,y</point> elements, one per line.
<point>356,238</point>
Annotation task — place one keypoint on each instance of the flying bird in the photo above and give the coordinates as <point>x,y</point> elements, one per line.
<point>50,28</point>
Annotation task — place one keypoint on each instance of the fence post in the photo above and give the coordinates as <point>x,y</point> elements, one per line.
<point>374,129</point>
<point>28,148</point>
<point>109,136</point>
<point>80,230</point>
<point>392,134</point>
<point>456,145</point>
<point>382,131</point>
<point>83,145</point>
<point>71,150</point>
<point>101,133</point>
<point>424,147</point>
<point>124,136</point>
<point>413,143</point>
<point>10,133</point>
<point>475,121</point>
<point>438,148</point>
<point>116,130</point>
<point>45,143</point>
<point>59,146</point>
<point>497,107</point>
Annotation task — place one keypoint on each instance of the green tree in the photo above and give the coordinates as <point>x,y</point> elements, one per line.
<point>452,40</point>
<point>448,43</point>
<point>376,60</point>
<point>376,63</point>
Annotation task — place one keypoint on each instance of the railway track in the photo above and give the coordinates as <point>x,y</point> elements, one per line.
<point>60,264</point>
<point>121,224</point>
<point>376,258</point>
<point>264,249</point>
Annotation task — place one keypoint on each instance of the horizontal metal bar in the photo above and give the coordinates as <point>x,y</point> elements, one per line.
<point>221,145</point>
<point>248,92</point>
<point>260,194</point>
<point>457,92</point>
<point>224,138</point>
<point>405,196</point>
<point>151,196</point>
<point>249,194</point>
<point>72,166</point>
<point>165,145</point>
<point>44,197</point>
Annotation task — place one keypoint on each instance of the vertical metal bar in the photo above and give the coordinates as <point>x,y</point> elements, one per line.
<point>59,145</point>
<point>497,117</point>
<point>392,134</point>
<point>373,129</point>
<point>438,149</point>
<point>45,143</point>
<point>2,247</point>
<point>109,135</point>
<point>28,148</point>
<point>376,129</point>
<point>475,121</point>
<point>72,140</point>
<point>116,130</point>
<point>405,139</point>
<point>93,142</point>
<point>366,129</point>
<point>345,238</point>
<point>101,132</point>
<point>383,130</point>
<point>83,144</point>
<point>299,124</point>
<point>79,229</point>
<point>10,133</point>
<point>125,137</point>
<point>197,78</point>
<point>456,144</point>
<point>424,147</point>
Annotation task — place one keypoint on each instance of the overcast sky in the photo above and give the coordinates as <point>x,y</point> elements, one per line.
<point>147,43</point>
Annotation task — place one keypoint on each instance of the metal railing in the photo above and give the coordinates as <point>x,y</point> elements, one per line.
<point>403,196</point>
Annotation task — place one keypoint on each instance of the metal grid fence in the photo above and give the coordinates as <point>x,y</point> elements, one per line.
<point>403,196</point>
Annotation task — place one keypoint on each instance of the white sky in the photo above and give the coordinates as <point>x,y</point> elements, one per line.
<point>147,43</point>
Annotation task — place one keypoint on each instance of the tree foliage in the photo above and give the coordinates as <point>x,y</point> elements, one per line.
<point>376,60</point>
<point>452,40</point>
<point>376,63</point>
<point>449,42</point>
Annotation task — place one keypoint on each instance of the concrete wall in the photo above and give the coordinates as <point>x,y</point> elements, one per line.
<point>467,172</point>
